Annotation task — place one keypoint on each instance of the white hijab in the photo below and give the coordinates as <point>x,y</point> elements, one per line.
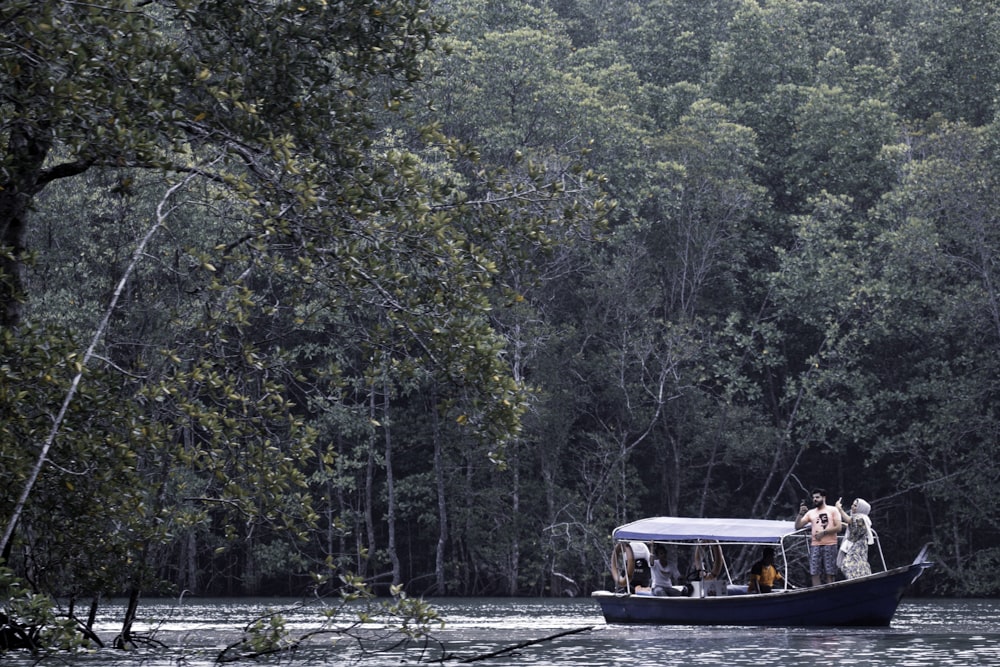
<point>861,510</point>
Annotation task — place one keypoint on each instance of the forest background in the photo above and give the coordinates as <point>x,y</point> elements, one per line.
<point>439,293</point>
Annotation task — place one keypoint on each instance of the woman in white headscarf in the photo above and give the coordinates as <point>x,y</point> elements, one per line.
<point>854,549</point>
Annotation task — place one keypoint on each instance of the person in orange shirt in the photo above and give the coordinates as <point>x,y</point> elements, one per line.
<point>825,523</point>
<point>763,574</point>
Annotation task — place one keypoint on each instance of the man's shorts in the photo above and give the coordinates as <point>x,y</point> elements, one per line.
<point>823,560</point>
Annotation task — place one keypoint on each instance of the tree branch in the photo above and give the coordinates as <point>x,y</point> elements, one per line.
<point>509,649</point>
<point>88,355</point>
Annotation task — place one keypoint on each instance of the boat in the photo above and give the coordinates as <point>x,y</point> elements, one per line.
<point>711,597</point>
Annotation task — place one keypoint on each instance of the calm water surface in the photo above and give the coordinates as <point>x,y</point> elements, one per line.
<point>923,633</point>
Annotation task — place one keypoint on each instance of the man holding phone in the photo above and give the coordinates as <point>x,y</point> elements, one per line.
<point>825,523</point>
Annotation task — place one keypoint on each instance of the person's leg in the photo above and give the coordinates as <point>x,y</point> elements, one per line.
<point>815,564</point>
<point>830,563</point>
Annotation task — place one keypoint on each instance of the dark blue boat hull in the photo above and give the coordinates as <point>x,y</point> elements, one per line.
<point>869,601</point>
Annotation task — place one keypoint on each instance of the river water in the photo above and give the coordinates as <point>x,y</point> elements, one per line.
<point>557,632</point>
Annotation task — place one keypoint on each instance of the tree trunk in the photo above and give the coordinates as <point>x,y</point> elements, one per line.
<point>515,525</point>
<point>390,491</point>
<point>161,216</point>
<point>249,577</point>
<point>27,148</point>
<point>342,538</point>
<point>369,493</point>
<point>92,613</point>
<point>442,541</point>
<point>124,640</point>
<point>192,564</point>
<point>468,552</point>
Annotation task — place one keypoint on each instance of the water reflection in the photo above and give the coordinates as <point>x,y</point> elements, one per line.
<point>924,633</point>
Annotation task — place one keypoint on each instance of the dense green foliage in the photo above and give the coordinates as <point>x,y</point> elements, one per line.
<point>439,293</point>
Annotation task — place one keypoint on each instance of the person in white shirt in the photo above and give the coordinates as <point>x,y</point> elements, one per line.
<point>663,573</point>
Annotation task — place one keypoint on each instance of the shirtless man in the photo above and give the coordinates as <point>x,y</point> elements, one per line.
<point>825,522</point>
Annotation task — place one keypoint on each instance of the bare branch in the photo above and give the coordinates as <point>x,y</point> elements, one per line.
<point>82,364</point>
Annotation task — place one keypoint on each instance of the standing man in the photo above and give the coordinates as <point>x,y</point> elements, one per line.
<point>825,522</point>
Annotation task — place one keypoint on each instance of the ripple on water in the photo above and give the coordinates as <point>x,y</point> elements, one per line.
<point>925,633</point>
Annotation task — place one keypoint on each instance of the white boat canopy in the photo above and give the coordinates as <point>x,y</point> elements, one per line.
<point>672,528</point>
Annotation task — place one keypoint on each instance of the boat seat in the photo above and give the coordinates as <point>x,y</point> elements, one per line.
<point>649,593</point>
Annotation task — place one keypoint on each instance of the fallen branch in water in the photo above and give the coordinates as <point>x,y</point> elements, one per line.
<point>509,649</point>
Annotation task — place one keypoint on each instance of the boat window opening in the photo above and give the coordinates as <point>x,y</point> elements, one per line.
<point>790,556</point>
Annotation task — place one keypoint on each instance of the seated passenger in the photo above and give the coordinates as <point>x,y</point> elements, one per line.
<point>663,573</point>
<point>763,574</point>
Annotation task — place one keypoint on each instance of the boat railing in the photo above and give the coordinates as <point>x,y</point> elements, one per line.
<point>881,555</point>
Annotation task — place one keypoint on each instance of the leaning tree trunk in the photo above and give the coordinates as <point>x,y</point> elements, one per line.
<point>46,445</point>
<point>124,640</point>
